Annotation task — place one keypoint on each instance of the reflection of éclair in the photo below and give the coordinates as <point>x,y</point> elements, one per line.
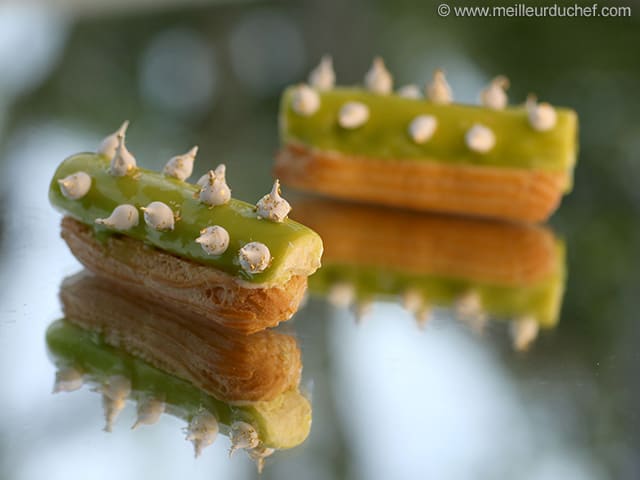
<point>397,148</point>
<point>82,357</point>
<point>230,366</point>
<point>510,270</point>
<point>190,245</point>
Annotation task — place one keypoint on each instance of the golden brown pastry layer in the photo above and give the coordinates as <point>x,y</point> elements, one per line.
<point>202,291</point>
<point>495,192</point>
<point>230,366</point>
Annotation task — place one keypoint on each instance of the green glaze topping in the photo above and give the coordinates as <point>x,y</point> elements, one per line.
<point>283,422</point>
<point>385,133</point>
<point>541,300</point>
<point>294,249</point>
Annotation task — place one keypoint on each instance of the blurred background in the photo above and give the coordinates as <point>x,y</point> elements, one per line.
<point>389,399</point>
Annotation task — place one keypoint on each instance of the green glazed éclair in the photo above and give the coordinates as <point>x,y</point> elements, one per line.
<point>214,231</point>
<point>386,133</point>
<point>281,423</point>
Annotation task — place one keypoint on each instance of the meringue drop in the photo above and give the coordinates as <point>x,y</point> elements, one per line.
<point>254,257</point>
<point>123,217</point>
<point>213,240</point>
<point>378,79</point>
<point>181,166</point>
<point>215,190</point>
<point>159,216</point>
<point>75,186</point>
<point>272,206</point>
<point>109,144</point>
<point>323,77</point>
<point>439,91</point>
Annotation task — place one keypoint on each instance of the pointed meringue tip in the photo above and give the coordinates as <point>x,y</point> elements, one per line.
<point>123,128</point>
<point>194,151</point>
<point>502,81</point>
<point>199,239</point>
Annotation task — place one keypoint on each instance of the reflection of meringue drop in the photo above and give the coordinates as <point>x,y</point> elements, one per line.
<point>353,115</point>
<point>422,128</point>
<point>202,431</point>
<point>181,166</point>
<point>213,240</point>
<point>413,300</point>
<point>480,139</point>
<point>542,116</point>
<point>215,190</point>
<point>243,436</point>
<point>110,143</point>
<point>116,386</point>
<point>68,380</point>
<point>523,332</point>
<point>495,96</point>
<point>439,91</point>
<point>323,77</point>
<point>272,206</point>
<point>305,100</point>
<point>341,294</point>
<point>149,411</point>
<point>123,217</point>
<point>469,304</point>
<point>469,309</point>
<point>423,316</point>
<point>362,310</point>
<point>159,216</point>
<point>114,395</point>
<point>409,91</point>
<point>258,455</point>
<point>254,257</point>
<point>122,162</point>
<point>378,79</point>
<point>75,186</point>
<point>112,408</point>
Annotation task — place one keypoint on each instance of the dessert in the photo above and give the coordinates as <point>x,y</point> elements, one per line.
<point>480,269</point>
<point>189,245</point>
<point>245,386</point>
<point>401,149</point>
